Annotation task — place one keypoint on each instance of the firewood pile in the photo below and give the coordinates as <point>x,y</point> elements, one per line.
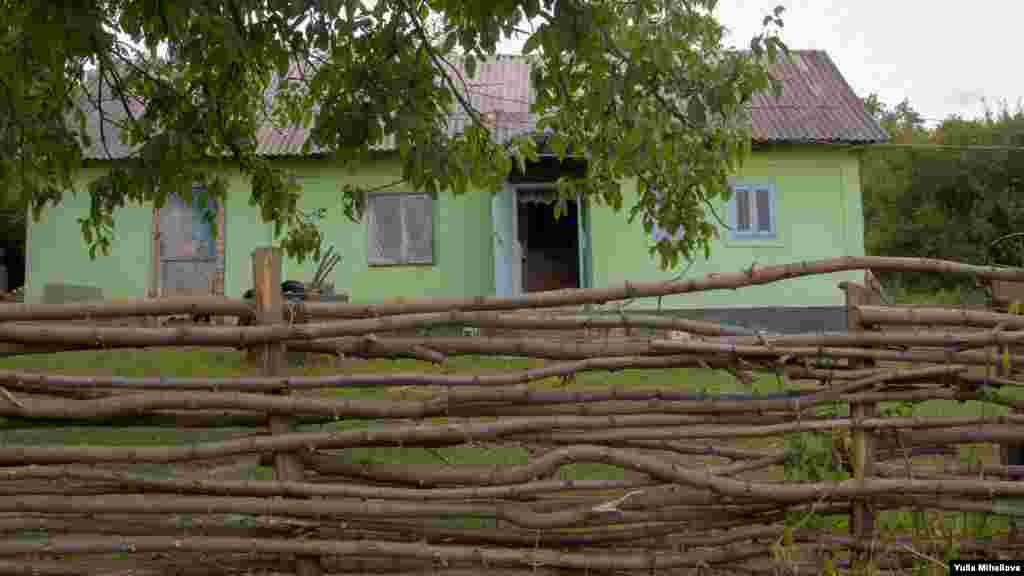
<point>318,287</point>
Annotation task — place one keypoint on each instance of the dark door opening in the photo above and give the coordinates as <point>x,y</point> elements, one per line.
<point>550,246</point>
<point>12,250</point>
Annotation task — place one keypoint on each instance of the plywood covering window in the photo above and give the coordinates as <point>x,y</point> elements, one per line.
<point>188,259</point>
<point>752,211</point>
<point>400,229</point>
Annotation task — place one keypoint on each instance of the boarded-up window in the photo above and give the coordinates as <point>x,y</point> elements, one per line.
<point>752,211</point>
<point>764,211</point>
<point>188,251</point>
<point>401,229</point>
<point>419,229</point>
<point>742,210</point>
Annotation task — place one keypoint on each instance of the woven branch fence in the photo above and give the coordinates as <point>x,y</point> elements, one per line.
<point>691,497</point>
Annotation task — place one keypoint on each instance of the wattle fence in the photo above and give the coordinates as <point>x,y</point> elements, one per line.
<point>852,444</point>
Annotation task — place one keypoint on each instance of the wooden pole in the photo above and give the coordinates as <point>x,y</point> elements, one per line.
<point>154,268</point>
<point>1009,454</point>
<point>862,518</point>
<point>266,272</point>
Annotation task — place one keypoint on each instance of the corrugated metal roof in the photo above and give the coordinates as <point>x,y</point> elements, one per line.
<point>816,105</point>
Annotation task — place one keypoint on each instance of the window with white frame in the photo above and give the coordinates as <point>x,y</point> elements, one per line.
<point>400,229</point>
<point>657,233</point>
<point>752,211</point>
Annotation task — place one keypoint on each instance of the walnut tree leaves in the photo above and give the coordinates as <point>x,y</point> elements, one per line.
<point>645,91</point>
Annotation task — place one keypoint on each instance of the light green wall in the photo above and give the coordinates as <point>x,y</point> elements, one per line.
<point>818,215</point>
<point>462,248</point>
<point>57,254</point>
<point>244,231</point>
<point>463,251</point>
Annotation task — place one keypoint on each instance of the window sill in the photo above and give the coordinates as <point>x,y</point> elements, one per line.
<point>401,265</point>
<point>753,242</point>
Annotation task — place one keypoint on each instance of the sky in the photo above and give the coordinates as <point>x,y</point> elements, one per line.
<point>945,57</point>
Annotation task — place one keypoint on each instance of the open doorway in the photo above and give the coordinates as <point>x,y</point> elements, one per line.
<point>550,247</point>
<point>12,253</point>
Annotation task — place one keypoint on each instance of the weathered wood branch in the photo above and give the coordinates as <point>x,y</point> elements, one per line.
<point>949,469</point>
<point>761,408</point>
<point>629,290</point>
<point>938,316</point>
<point>670,472</point>
<point>949,340</point>
<point>476,555</point>
<point>515,513</point>
<point>37,380</point>
<point>336,408</point>
<point>601,427</point>
<point>924,356</point>
<point>333,490</point>
<point>191,305</point>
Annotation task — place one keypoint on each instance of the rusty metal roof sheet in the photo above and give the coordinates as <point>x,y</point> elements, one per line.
<point>816,106</point>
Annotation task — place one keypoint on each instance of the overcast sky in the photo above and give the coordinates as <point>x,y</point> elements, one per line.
<point>944,56</point>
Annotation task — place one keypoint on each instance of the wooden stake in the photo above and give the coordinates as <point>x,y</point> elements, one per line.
<point>154,268</point>
<point>862,519</point>
<point>266,271</point>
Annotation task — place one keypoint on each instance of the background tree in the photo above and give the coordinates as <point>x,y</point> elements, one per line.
<point>950,193</point>
<point>645,89</point>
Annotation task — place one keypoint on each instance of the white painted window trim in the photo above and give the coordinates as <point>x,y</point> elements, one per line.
<point>405,259</point>
<point>755,232</point>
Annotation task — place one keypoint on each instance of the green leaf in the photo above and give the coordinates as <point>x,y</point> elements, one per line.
<point>613,80</point>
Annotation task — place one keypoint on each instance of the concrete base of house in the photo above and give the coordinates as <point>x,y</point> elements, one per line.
<point>68,293</point>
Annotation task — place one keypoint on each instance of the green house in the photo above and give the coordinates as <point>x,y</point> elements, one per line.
<point>798,197</point>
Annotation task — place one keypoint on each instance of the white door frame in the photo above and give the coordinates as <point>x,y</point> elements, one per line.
<point>507,251</point>
<point>519,255</point>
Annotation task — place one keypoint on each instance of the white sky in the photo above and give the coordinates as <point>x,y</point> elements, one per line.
<point>944,56</point>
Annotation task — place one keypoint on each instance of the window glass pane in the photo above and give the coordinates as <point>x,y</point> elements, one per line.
<point>385,242</point>
<point>764,211</point>
<point>742,210</point>
<point>419,229</point>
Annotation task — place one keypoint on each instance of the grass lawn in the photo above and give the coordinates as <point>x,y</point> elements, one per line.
<point>220,363</point>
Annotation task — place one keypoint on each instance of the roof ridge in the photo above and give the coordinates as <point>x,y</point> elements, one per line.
<point>817,104</point>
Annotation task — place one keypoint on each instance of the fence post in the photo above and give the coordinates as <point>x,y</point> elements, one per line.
<point>1010,454</point>
<point>266,272</point>
<point>862,518</point>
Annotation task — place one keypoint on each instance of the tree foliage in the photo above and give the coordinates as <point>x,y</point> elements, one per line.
<point>643,89</point>
<point>953,191</point>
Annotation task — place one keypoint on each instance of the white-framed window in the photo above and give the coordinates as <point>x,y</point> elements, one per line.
<point>657,233</point>
<point>400,229</point>
<point>752,211</point>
